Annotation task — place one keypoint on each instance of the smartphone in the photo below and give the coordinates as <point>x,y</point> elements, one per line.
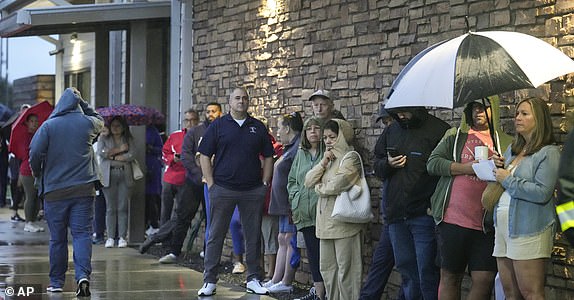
<point>392,151</point>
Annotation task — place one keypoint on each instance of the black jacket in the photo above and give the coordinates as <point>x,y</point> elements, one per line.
<point>410,188</point>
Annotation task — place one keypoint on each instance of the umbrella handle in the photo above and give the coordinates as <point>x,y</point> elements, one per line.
<point>490,122</point>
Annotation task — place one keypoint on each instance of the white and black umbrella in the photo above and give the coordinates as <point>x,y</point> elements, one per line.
<point>476,65</point>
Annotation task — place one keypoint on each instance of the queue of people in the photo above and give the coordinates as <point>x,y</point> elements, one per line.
<point>434,226</point>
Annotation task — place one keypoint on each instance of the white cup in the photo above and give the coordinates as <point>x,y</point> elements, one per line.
<point>481,153</point>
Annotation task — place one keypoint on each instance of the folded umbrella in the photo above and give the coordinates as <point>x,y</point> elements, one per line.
<point>474,66</point>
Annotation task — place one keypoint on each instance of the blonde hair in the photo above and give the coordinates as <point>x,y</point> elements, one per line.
<point>542,132</point>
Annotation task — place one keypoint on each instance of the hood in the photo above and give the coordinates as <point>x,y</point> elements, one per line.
<point>503,139</point>
<point>495,114</point>
<point>344,139</point>
<point>420,114</point>
<point>69,102</point>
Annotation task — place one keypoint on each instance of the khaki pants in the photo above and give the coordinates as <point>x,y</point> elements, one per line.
<point>341,267</point>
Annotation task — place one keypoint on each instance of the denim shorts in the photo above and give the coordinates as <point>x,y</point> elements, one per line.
<point>286,224</point>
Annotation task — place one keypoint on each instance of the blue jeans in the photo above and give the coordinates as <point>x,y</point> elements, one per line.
<point>381,268</point>
<point>76,213</point>
<point>237,233</point>
<point>415,248</point>
<point>100,215</point>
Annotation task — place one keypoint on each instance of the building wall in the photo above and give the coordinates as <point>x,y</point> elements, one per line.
<point>283,50</point>
<point>31,90</point>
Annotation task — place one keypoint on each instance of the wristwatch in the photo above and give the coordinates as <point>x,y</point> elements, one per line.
<point>265,183</point>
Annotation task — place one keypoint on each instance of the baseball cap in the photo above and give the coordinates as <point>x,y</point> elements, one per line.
<point>320,93</point>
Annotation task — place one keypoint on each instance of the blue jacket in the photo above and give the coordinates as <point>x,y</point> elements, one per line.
<point>61,153</point>
<point>531,188</point>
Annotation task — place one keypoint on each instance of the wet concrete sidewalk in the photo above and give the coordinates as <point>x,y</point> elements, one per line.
<point>117,273</point>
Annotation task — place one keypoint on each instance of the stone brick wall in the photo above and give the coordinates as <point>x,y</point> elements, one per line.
<point>284,50</point>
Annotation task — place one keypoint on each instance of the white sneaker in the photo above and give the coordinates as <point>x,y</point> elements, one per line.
<point>254,287</point>
<point>280,287</point>
<point>168,259</point>
<point>269,284</point>
<point>238,268</point>
<point>151,231</point>
<point>202,254</point>
<point>109,243</point>
<point>31,227</point>
<point>207,289</point>
<point>122,243</point>
<point>40,228</point>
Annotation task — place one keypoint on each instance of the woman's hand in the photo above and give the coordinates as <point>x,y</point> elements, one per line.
<point>501,174</point>
<point>328,157</point>
<point>498,160</point>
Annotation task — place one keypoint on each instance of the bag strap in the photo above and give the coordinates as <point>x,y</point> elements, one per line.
<point>360,159</point>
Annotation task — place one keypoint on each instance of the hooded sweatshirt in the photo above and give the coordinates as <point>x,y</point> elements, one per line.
<point>409,188</point>
<point>450,149</point>
<point>340,175</point>
<point>61,153</point>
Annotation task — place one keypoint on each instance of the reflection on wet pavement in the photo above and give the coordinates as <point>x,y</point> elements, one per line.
<point>117,273</point>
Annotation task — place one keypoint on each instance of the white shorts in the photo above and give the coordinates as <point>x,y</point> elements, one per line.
<point>521,248</point>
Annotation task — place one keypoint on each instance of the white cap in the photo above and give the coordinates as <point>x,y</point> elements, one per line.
<point>320,93</point>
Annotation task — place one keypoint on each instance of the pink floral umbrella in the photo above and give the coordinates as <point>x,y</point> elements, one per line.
<point>134,114</point>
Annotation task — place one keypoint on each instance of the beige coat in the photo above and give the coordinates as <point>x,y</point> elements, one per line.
<point>330,182</point>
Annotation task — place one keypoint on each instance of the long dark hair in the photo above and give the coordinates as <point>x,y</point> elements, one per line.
<point>542,132</point>
<point>126,133</point>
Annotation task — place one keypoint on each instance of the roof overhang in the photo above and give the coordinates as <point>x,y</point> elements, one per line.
<point>82,18</point>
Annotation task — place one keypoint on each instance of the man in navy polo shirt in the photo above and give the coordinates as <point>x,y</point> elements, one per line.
<point>234,178</point>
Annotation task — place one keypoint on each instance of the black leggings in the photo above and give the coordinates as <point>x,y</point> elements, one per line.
<point>312,243</point>
<point>17,194</point>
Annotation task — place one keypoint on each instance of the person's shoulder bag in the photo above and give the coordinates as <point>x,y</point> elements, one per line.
<point>354,205</point>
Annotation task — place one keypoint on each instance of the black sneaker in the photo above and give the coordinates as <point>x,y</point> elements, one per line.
<point>16,218</point>
<point>83,288</point>
<point>310,296</point>
<point>144,247</point>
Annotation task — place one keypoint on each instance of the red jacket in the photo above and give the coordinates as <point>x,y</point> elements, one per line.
<point>174,171</point>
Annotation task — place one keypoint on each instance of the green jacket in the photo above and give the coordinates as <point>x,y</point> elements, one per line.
<point>449,150</point>
<point>303,200</point>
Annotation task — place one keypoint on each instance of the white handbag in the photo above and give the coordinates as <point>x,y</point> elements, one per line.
<point>354,205</point>
<point>137,170</point>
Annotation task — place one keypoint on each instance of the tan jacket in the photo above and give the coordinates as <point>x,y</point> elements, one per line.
<point>330,182</point>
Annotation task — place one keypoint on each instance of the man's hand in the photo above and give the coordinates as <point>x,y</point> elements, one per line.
<point>397,162</point>
<point>462,169</point>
